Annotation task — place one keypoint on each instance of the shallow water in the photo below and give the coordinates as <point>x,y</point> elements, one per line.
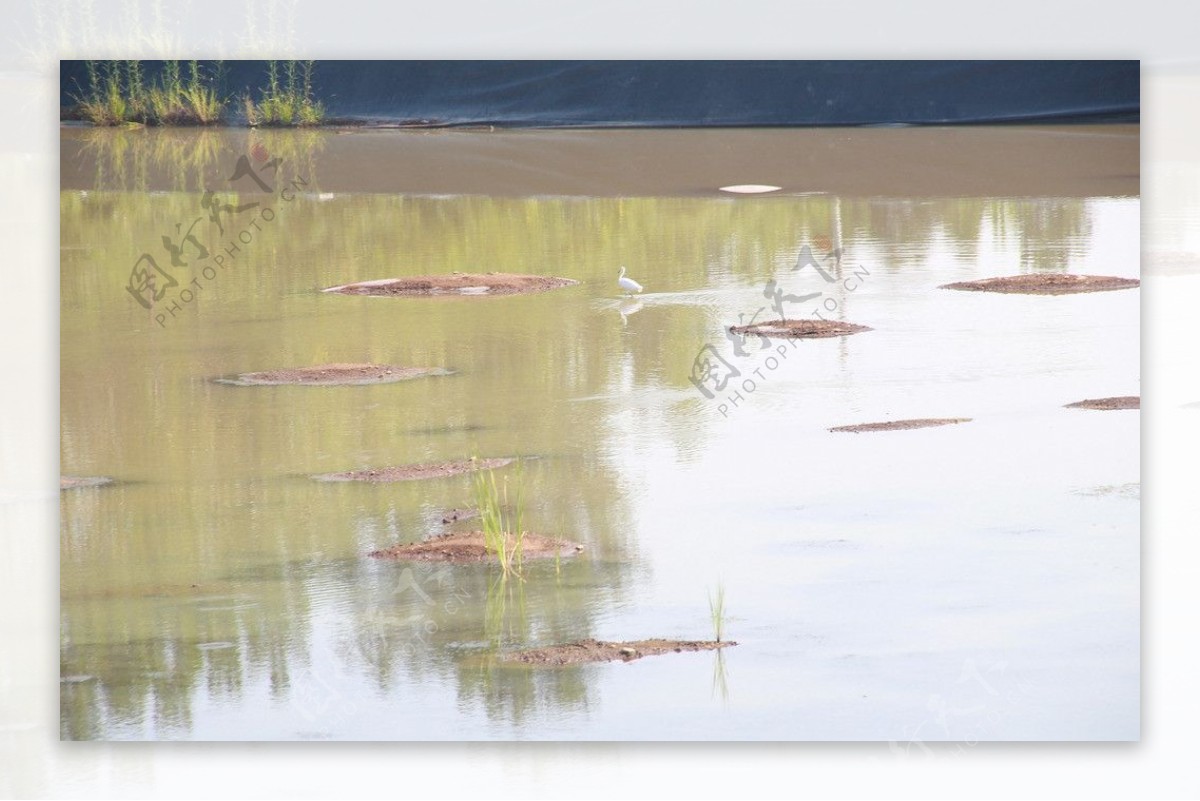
<point>976,581</point>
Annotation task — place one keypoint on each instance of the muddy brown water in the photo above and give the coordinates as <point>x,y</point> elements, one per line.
<point>863,576</point>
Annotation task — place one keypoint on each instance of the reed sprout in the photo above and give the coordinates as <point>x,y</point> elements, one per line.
<point>186,93</point>
<point>287,99</point>
<point>716,611</point>
<point>503,522</point>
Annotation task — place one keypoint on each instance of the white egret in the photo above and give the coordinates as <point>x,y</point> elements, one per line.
<point>628,284</point>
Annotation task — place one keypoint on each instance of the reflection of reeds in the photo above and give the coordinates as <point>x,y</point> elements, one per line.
<point>720,683</point>
<point>125,159</point>
<point>502,621</point>
<point>191,160</point>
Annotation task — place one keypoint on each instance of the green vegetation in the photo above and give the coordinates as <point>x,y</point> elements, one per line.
<point>503,530</point>
<point>118,93</point>
<point>175,101</point>
<point>716,610</point>
<point>287,98</point>
<point>107,102</point>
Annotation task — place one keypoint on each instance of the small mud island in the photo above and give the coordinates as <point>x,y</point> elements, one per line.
<point>799,329</point>
<point>455,284</point>
<point>472,547</point>
<point>588,651</point>
<point>455,515</point>
<point>332,375</point>
<point>1108,404</point>
<point>1045,284</point>
<point>902,425</point>
<point>417,472</point>
<point>79,482</point>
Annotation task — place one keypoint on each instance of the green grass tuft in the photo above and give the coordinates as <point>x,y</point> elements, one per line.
<point>716,610</point>
<point>503,525</point>
<point>117,94</point>
<point>287,98</point>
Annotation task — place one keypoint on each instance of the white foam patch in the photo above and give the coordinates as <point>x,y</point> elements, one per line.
<point>750,189</point>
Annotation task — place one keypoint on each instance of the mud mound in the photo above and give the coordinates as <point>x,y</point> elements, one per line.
<point>799,329</point>
<point>416,472</point>
<point>332,375</point>
<point>1108,404</point>
<point>588,651</point>
<point>902,425</point>
<point>471,547</point>
<point>460,284</point>
<point>1045,284</point>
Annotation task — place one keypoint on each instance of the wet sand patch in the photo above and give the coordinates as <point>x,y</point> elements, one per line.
<point>1045,284</point>
<point>799,329</point>
<point>455,284</point>
<point>332,375</point>
<point>591,651</point>
<point>417,472</point>
<point>470,546</point>
<point>80,482</point>
<point>902,425</point>
<point>1108,404</point>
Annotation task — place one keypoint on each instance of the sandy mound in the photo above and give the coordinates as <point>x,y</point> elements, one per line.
<point>585,651</point>
<point>1108,404</point>
<point>799,329</point>
<point>461,284</point>
<point>902,425</point>
<point>1045,284</point>
<point>332,375</point>
<point>470,547</point>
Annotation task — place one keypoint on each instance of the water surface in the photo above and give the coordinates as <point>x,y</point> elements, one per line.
<point>977,581</point>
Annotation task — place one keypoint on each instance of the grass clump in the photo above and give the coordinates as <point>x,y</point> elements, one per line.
<point>118,93</point>
<point>107,101</point>
<point>177,100</point>
<point>287,98</point>
<point>716,611</point>
<point>503,524</point>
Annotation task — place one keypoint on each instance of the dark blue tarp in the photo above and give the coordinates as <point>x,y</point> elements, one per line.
<point>704,93</point>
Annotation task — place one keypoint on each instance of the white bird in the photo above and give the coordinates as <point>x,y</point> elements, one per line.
<point>628,284</point>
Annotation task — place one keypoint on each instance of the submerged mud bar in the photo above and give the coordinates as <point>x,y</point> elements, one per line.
<point>1045,284</point>
<point>589,651</point>
<point>464,284</point>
